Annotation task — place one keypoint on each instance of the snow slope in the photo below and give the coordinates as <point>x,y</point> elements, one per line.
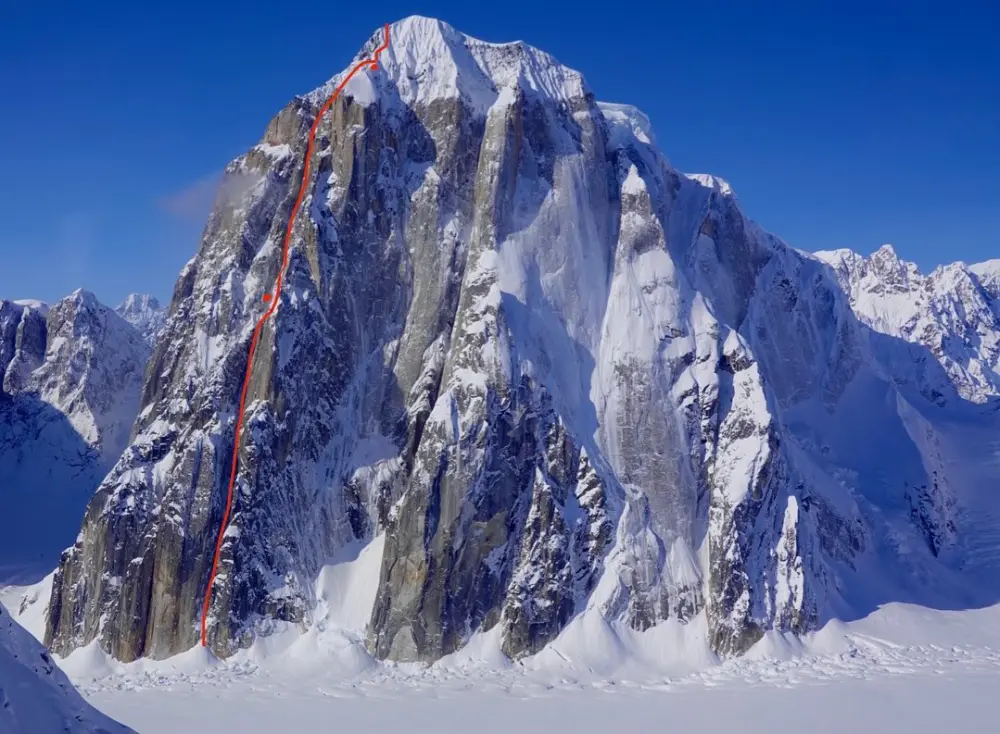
<point>35,695</point>
<point>914,705</point>
<point>890,672</point>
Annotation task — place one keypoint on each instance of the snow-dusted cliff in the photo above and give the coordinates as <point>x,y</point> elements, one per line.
<point>557,375</point>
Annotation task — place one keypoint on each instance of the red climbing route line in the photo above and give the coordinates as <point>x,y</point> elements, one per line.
<point>272,298</point>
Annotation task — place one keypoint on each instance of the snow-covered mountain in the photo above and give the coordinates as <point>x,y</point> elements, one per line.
<point>35,695</point>
<point>954,313</point>
<point>556,378</point>
<point>71,376</point>
<point>989,276</point>
<point>145,313</point>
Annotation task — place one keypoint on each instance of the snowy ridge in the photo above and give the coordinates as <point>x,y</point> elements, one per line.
<point>633,119</point>
<point>953,311</point>
<point>989,276</point>
<point>428,60</point>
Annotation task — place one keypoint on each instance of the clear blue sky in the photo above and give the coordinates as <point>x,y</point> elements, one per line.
<point>850,126</point>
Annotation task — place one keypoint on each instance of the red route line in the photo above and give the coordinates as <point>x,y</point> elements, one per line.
<point>273,300</point>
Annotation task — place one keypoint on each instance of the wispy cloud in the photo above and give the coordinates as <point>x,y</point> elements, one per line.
<point>193,203</point>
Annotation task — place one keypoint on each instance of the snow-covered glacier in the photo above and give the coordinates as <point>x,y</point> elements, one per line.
<point>555,378</point>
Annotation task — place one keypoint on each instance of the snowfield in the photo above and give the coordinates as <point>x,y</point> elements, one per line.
<point>907,704</point>
<point>904,668</point>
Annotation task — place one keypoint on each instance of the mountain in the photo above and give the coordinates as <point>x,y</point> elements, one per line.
<point>552,377</point>
<point>71,376</point>
<point>145,313</point>
<point>988,274</point>
<point>954,312</point>
<point>35,695</point>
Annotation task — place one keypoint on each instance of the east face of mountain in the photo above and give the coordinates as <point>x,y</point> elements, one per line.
<point>561,377</point>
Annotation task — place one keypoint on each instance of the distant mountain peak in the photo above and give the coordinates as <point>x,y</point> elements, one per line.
<point>145,313</point>
<point>70,380</point>
<point>139,301</point>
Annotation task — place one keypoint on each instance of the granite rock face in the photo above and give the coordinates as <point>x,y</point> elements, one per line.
<point>559,376</point>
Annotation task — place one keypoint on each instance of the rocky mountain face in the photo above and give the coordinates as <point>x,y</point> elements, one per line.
<point>559,376</point>
<point>71,377</point>
<point>145,313</point>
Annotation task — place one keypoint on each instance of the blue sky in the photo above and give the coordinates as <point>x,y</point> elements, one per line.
<point>850,126</point>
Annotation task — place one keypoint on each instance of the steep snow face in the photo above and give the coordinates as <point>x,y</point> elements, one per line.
<point>954,312</point>
<point>70,391</point>
<point>145,313</point>
<point>35,695</point>
<point>557,374</point>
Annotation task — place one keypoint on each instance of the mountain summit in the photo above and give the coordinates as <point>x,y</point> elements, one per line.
<point>548,376</point>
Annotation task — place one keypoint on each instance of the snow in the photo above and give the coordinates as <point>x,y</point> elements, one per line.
<point>627,121</point>
<point>889,672</point>
<point>344,590</point>
<point>911,705</point>
<point>28,604</point>
<point>633,183</point>
<point>145,313</point>
<point>953,311</point>
<point>361,89</point>
<point>35,695</point>
<point>989,269</point>
<point>277,152</point>
<point>429,60</point>
<point>34,304</point>
<point>712,182</point>
<point>67,423</point>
